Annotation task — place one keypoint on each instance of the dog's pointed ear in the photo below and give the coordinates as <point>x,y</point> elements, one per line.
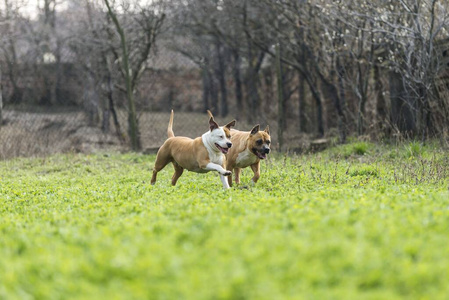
<point>255,129</point>
<point>230,124</point>
<point>212,124</point>
<point>210,114</point>
<point>267,129</point>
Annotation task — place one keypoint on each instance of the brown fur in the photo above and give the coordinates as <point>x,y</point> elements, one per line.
<point>246,141</point>
<point>241,142</point>
<point>185,153</point>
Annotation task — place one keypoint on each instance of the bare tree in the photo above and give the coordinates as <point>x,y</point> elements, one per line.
<point>8,46</point>
<point>134,62</point>
<point>92,45</point>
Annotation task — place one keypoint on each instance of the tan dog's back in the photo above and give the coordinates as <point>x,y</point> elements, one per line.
<point>185,152</point>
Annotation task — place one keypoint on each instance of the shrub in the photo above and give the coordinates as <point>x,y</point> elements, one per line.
<point>360,148</point>
<point>364,171</point>
<point>414,149</point>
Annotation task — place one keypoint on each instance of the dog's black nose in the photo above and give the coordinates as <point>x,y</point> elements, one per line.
<point>229,145</point>
<point>267,150</point>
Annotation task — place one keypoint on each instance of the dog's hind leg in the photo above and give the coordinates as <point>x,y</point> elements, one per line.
<point>160,163</point>
<point>237,175</point>
<point>178,173</point>
<point>230,180</point>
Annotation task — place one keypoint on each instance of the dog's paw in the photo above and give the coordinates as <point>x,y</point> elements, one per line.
<point>227,173</point>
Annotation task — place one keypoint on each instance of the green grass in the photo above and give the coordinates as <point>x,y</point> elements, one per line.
<point>371,226</point>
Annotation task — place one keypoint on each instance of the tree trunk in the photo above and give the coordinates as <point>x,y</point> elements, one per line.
<point>206,89</point>
<point>281,100</point>
<point>107,104</point>
<point>252,93</point>
<point>338,98</point>
<point>106,118</point>
<point>302,104</point>
<point>118,128</point>
<point>402,115</point>
<point>111,110</point>
<point>339,102</point>
<point>213,92</point>
<point>251,76</point>
<point>319,112</point>
<point>382,120</point>
<point>12,67</point>
<point>59,74</point>
<point>318,102</point>
<point>1,98</point>
<point>133,127</point>
<point>362,95</point>
<point>221,75</point>
<point>238,84</point>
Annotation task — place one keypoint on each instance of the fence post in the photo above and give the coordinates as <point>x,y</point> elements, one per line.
<point>280,86</point>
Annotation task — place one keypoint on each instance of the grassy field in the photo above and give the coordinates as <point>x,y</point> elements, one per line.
<point>355,222</point>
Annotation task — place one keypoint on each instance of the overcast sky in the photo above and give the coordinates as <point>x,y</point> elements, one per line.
<point>30,8</point>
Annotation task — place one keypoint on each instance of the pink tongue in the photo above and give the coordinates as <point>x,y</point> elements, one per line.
<point>223,150</point>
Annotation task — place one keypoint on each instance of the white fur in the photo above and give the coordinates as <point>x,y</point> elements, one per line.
<point>215,136</point>
<point>225,182</point>
<point>245,158</point>
<point>219,169</point>
<point>216,157</point>
<point>215,167</point>
<point>210,138</point>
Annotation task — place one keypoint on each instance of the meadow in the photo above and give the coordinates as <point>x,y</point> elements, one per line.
<point>358,221</point>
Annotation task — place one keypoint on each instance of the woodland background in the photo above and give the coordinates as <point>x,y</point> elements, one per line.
<point>88,74</point>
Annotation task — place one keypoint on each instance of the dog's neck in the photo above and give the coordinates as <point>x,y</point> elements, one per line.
<point>209,144</point>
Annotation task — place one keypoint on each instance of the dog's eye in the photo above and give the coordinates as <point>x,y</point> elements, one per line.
<point>221,136</point>
<point>268,142</point>
<point>259,142</point>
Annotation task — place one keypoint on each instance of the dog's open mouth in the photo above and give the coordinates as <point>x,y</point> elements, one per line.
<point>223,150</point>
<point>260,154</point>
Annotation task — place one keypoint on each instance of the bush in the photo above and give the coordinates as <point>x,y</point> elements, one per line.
<point>364,171</point>
<point>360,148</point>
<point>414,149</point>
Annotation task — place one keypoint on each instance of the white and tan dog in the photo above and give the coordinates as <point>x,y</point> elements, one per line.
<point>202,154</point>
<point>248,148</point>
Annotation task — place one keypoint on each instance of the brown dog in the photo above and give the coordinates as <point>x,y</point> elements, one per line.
<point>201,155</point>
<point>248,148</point>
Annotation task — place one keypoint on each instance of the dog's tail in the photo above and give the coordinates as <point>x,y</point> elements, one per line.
<point>210,114</point>
<point>170,132</point>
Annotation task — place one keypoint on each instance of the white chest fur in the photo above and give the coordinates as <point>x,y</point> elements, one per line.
<point>245,159</point>
<point>215,157</point>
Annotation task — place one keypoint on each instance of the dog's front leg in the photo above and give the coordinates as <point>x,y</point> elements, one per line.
<point>215,167</point>
<point>225,182</point>
<point>256,169</point>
